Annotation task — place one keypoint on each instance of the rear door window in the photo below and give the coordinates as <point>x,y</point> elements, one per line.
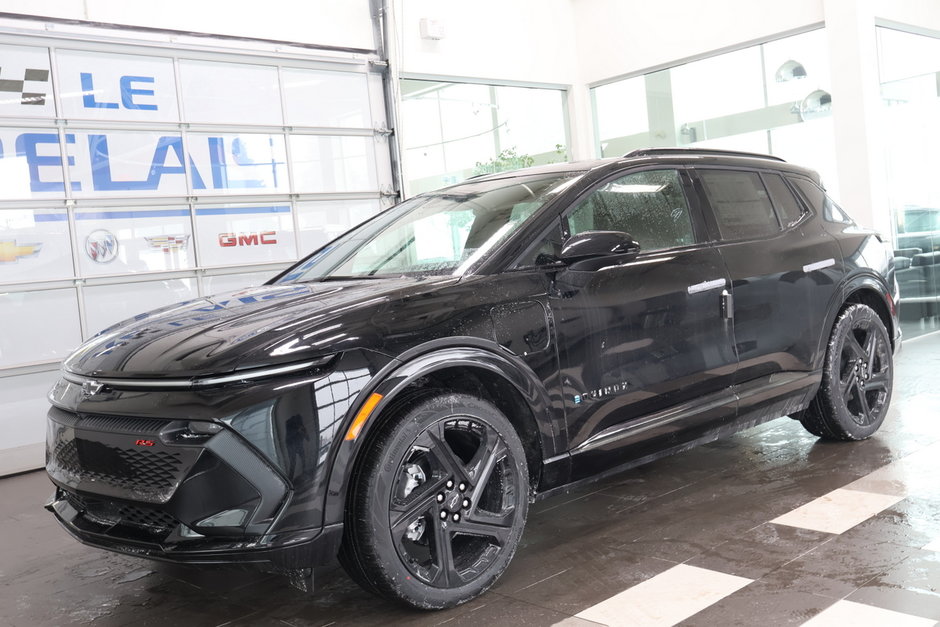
<point>741,204</point>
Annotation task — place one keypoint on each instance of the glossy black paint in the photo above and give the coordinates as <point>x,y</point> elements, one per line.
<point>601,361</point>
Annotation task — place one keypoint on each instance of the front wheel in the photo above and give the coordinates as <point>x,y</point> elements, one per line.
<point>439,503</point>
<point>858,375</point>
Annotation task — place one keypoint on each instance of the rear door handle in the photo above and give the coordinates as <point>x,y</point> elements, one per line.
<point>706,286</point>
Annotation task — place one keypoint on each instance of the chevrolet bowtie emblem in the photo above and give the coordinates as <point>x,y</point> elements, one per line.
<point>10,251</point>
<point>90,388</point>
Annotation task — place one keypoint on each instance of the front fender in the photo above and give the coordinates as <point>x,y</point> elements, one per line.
<point>438,355</point>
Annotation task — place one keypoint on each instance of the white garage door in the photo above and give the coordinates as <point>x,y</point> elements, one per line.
<point>134,176</point>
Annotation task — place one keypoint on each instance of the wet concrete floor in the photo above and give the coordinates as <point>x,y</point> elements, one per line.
<point>709,508</point>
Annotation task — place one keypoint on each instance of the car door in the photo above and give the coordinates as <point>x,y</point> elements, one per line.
<point>785,271</point>
<point>646,357</point>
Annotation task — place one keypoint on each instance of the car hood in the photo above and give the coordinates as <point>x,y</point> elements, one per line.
<point>262,326</point>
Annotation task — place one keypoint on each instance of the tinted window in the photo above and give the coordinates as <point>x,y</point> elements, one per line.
<point>818,200</point>
<point>443,232</point>
<point>741,204</point>
<point>786,203</point>
<point>650,206</point>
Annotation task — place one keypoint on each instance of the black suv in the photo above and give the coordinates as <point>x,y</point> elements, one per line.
<point>399,397</point>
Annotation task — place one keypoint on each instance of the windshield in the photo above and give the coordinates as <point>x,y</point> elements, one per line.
<point>438,233</point>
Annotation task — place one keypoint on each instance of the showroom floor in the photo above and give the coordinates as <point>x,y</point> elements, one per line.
<point>771,527</point>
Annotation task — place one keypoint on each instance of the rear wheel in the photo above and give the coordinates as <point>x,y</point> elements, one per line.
<point>439,503</point>
<point>857,378</point>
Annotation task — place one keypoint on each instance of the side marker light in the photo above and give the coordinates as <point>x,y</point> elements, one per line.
<point>364,412</point>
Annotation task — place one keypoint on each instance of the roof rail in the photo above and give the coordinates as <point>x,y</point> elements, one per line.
<point>646,152</point>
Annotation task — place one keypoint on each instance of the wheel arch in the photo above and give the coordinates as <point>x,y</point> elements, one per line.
<point>862,289</point>
<point>472,367</point>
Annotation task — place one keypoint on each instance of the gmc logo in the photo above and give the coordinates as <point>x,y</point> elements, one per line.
<point>247,239</point>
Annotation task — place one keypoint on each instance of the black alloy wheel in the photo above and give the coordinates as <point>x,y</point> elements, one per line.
<point>439,503</point>
<point>857,378</point>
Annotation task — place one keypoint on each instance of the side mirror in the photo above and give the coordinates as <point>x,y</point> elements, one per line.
<point>598,245</point>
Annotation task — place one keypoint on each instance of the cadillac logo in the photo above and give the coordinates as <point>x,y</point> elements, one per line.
<point>101,246</point>
<point>166,243</point>
<point>90,388</point>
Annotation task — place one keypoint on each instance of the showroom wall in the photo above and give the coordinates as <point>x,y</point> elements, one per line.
<point>142,168</point>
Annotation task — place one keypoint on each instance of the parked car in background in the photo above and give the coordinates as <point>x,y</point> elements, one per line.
<point>399,397</point>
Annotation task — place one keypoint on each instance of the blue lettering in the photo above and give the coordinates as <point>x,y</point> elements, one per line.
<point>128,91</point>
<point>220,177</point>
<point>26,147</point>
<point>88,95</point>
<point>101,166</point>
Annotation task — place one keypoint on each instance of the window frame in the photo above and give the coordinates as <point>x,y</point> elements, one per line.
<point>712,216</point>
<point>700,230</point>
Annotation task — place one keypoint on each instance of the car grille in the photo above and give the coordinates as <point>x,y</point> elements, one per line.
<point>152,475</point>
<point>110,513</point>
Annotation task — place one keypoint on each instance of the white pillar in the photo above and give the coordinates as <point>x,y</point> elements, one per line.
<point>856,112</point>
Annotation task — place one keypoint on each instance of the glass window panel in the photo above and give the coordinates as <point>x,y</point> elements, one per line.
<point>54,312</point>
<point>906,55</point>
<point>224,283</point>
<point>532,122</point>
<point>650,206</point>
<point>620,111</point>
<point>319,98</point>
<point>242,234</point>
<point>126,163</point>
<point>811,144</point>
<point>127,87</point>
<point>741,204</point>
<point>230,93</point>
<point>796,66</point>
<point>323,221</point>
<point>735,80</point>
<point>238,163</point>
<point>34,245</point>
<point>106,305</point>
<point>333,164</point>
<point>25,72</point>
<point>451,131</point>
<point>115,241</point>
<point>22,396</point>
<point>773,97</point>
<point>31,163</point>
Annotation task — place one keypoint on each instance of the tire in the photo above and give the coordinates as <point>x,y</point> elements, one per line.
<point>411,533</point>
<point>857,380</point>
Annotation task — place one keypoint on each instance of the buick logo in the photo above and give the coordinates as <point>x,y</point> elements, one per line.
<point>101,246</point>
<point>90,388</point>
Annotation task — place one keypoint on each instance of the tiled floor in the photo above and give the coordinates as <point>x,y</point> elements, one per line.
<point>771,527</point>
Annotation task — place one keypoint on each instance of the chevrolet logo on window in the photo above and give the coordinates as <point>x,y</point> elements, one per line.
<point>11,251</point>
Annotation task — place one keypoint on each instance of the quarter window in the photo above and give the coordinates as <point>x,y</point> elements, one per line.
<point>818,199</point>
<point>741,204</point>
<point>649,205</point>
<point>788,207</point>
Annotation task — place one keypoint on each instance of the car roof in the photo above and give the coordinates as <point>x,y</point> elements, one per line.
<point>664,156</point>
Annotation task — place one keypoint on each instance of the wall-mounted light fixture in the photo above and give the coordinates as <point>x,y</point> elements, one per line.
<point>816,105</point>
<point>790,71</point>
